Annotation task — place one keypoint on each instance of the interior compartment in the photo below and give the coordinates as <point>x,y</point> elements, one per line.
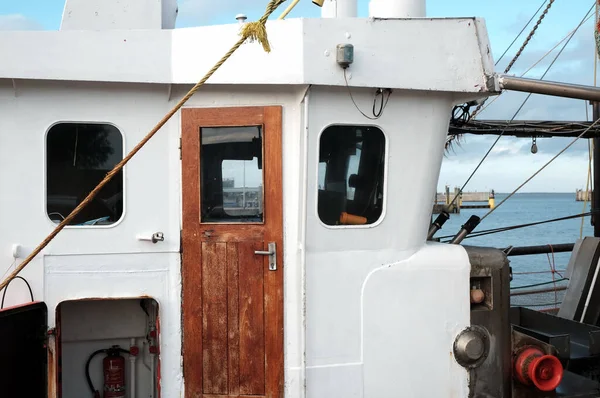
<point>87,329</point>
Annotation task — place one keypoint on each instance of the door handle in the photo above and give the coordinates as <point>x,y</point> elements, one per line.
<point>272,253</point>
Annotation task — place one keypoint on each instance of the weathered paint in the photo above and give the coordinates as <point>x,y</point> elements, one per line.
<point>363,284</point>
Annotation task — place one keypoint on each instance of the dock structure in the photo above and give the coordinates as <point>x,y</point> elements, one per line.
<point>582,195</point>
<point>477,200</point>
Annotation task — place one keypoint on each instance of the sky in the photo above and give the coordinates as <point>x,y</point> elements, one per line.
<point>511,162</point>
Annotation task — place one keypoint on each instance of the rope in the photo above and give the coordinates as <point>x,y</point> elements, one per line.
<point>518,54</point>
<point>251,31</point>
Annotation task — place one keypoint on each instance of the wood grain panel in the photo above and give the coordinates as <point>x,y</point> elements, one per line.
<point>273,281</point>
<point>252,327</point>
<point>214,328</point>
<point>191,272</point>
<point>233,323</point>
<point>232,304</point>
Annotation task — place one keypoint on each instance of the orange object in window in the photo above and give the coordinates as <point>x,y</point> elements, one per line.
<point>351,219</point>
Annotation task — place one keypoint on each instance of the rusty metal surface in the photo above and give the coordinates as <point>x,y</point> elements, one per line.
<point>490,271</point>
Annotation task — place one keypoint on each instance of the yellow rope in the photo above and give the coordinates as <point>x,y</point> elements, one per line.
<point>251,31</point>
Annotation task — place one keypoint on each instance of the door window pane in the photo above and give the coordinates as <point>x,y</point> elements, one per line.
<point>351,170</point>
<point>231,174</point>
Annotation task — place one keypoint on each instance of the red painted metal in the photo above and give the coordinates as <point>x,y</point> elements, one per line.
<point>533,367</point>
<point>114,375</point>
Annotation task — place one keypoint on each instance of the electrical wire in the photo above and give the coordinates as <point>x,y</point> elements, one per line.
<point>379,92</point>
<point>539,171</point>
<point>6,288</point>
<point>519,110</point>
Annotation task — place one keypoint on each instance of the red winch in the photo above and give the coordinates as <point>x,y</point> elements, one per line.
<point>532,366</point>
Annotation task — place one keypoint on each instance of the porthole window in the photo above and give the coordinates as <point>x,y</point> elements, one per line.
<point>350,175</point>
<point>78,156</point>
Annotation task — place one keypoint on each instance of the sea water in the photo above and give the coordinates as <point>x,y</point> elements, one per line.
<point>525,208</point>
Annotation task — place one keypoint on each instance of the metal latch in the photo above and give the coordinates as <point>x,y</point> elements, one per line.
<point>272,253</point>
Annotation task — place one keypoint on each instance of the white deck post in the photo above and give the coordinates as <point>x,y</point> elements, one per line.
<point>397,8</point>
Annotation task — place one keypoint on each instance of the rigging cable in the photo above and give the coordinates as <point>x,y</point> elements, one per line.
<point>537,62</point>
<point>521,107</point>
<point>521,32</point>
<point>539,171</point>
<point>525,43</point>
<point>251,31</point>
<point>513,227</point>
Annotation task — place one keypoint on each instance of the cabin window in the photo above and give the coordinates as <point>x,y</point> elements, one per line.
<point>350,175</point>
<point>231,174</point>
<point>78,156</point>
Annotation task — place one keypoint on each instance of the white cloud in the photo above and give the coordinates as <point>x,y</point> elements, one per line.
<point>18,22</point>
<point>511,161</point>
<point>202,12</point>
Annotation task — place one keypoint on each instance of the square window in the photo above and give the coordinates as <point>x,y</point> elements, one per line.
<point>350,175</point>
<point>231,174</point>
<point>78,157</point>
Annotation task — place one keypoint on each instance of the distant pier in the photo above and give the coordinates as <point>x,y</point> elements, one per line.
<point>477,200</point>
<point>583,196</point>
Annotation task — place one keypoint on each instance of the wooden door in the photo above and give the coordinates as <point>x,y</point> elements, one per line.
<point>232,208</point>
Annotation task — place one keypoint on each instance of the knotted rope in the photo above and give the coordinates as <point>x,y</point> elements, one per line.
<point>251,31</point>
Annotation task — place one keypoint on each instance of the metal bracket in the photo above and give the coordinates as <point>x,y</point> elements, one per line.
<point>272,253</point>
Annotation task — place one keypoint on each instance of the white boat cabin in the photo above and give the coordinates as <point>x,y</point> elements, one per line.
<point>331,169</point>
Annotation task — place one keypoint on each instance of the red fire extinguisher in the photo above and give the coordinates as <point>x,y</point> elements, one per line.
<point>114,374</point>
<point>113,367</point>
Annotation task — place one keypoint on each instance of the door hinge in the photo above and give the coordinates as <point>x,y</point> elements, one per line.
<point>180,157</point>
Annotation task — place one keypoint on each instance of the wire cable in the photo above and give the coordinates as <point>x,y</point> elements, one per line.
<point>518,54</point>
<point>520,33</point>
<point>535,64</point>
<point>519,110</point>
<point>513,227</point>
<point>538,172</point>
<point>539,284</point>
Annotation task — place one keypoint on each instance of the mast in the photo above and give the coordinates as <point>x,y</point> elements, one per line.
<point>596,168</point>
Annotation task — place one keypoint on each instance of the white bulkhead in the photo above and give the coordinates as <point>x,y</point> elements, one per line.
<point>368,306</point>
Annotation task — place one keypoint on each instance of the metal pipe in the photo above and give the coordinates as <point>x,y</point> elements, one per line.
<point>465,230</point>
<point>536,86</point>
<point>596,178</point>
<point>132,369</point>
<point>397,8</point>
<point>541,249</point>
<point>438,224</point>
